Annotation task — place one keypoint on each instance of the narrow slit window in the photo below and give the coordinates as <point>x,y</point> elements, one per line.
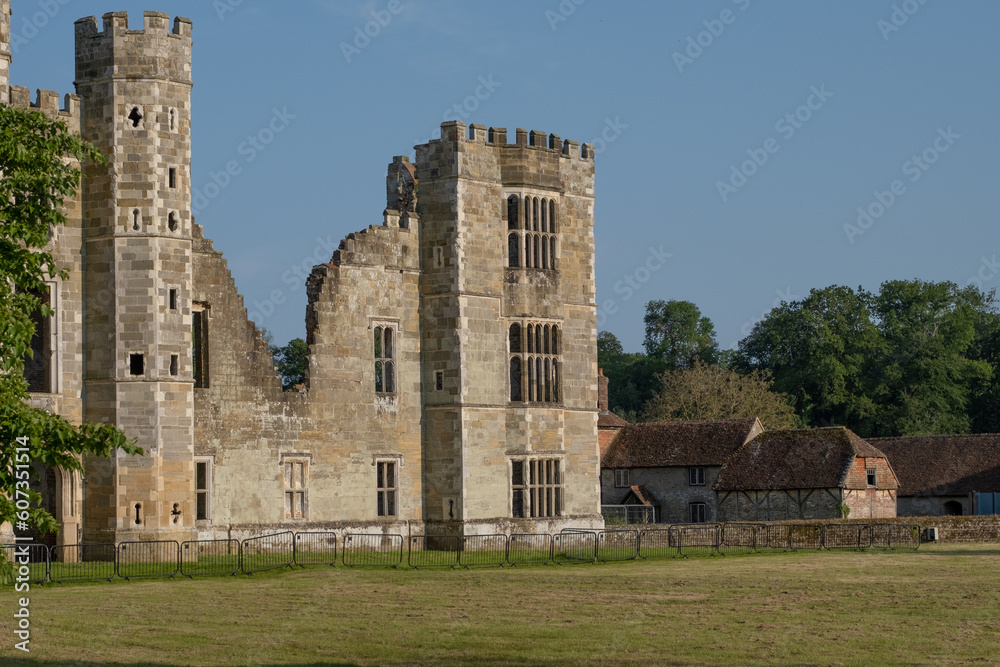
<point>385,354</point>
<point>136,364</point>
<point>135,116</point>
<point>172,177</point>
<point>512,212</point>
<point>174,363</point>
<point>172,221</point>
<point>172,299</point>
<point>385,488</point>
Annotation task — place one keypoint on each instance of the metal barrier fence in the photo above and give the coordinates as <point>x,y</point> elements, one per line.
<point>575,546</point>
<point>206,557</point>
<point>433,551</point>
<point>30,562</point>
<point>315,548</point>
<point>529,549</point>
<point>617,545</point>
<point>658,543</point>
<point>83,562</point>
<point>623,515</point>
<point>138,560</point>
<point>483,550</point>
<point>372,550</point>
<point>267,552</point>
<point>133,560</point>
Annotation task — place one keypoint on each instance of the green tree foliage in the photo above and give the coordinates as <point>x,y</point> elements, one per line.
<point>631,376</point>
<point>677,334</point>
<point>711,392</point>
<point>916,358</point>
<point>291,360</point>
<point>38,163</point>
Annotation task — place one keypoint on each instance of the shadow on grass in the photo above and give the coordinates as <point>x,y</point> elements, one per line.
<point>25,662</point>
<point>960,552</point>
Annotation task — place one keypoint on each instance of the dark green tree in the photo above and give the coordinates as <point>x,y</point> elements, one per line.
<point>39,163</point>
<point>677,334</point>
<point>292,362</point>
<point>631,376</point>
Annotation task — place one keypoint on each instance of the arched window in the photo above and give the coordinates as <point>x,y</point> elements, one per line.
<point>531,379</point>
<point>531,338</point>
<point>539,380</point>
<point>545,216</point>
<point>545,253</point>
<point>527,250</point>
<point>535,263</point>
<point>548,380</point>
<point>515,338</point>
<point>552,252</point>
<point>953,508</point>
<point>552,215</point>
<point>385,354</point>
<point>172,221</point>
<point>555,380</point>
<point>513,246</point>
<point>534,213</point>
<point>545,344</point>
<point>515,379</point>
<point>512,212</point>
<point>555,343</point>
<point>538,338</point>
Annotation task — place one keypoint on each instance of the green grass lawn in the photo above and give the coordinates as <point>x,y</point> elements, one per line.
<point>940,605</point>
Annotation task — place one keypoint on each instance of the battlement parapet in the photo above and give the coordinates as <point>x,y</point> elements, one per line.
<point>47,102</point>
<point>118,51</point>
<point>455,131</point>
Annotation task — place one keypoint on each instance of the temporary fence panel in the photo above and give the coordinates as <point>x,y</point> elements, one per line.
<point>617,545</point>
<point>483,550</point>
<point>738,538</point>
<point>895,536</point>
<point>315,548</point>
<point>805,536</point>
<point>847,536</point>
<point>575,546</point>
<point>82,562</point>
<point>204,557</point>
<point>433,551</point>
<point>697,539</point>
<point>28,563</point>
<point>140,560</point>
<point>267,552</point>
<point>658,543</point>
<point>372,550</point>
<point>529,549</point>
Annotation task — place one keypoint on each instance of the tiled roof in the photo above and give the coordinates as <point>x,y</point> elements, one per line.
<point>641,495</point>
<point>802,459</point>
<point>610,420</point>
<point>690,443</point>
<point>944,465</point>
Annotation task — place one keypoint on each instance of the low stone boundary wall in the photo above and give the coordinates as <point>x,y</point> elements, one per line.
<point>949,528</point>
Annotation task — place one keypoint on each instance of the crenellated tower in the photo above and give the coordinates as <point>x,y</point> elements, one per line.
<point>5,55</point>
<point>139,368</point>
<point>509,345</point>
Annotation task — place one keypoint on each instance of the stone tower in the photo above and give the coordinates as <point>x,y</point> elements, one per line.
<point>509,346</point>
<point>139,371</point>
<point>5,56</point>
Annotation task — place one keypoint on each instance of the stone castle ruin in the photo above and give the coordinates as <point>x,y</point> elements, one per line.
<point>452,378</point>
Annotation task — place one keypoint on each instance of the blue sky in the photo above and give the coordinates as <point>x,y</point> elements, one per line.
<point>738,136</point>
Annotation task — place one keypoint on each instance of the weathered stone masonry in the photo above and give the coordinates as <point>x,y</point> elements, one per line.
<point>425,332</point>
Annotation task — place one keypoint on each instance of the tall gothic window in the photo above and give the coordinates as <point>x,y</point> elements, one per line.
<point>534,362</point>
<point>532,239</point>
<point>385,355</point>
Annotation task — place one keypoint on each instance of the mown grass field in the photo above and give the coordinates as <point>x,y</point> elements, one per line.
<point>940,605</point>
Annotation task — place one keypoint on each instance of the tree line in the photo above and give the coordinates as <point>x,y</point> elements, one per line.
<point>914,358</point>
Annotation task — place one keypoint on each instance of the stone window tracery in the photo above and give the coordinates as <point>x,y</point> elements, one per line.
<point>385,355</point>
<point>536,487</point>
<point>534,362</point>
<point>531,227</point>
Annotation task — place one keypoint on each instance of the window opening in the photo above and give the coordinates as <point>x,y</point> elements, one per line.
<point>172,177</point>
<point>174,362</point>
<point>696,476</point>
<point>699,513</point>
<point>200,348</point>
<point>540,495</point>
<point>172,299</point>
<point>439,380</point>
<point>172,221</point>
<point>385,487</point>
<point>621,477</point>
<point>384,345</point>
<point>38,365</point>
<point>136,364</point>
<point>296,478</point>
<point>201,489</point>
<point>135,117</point>
<point>870,473</point>
<point>135,220</point>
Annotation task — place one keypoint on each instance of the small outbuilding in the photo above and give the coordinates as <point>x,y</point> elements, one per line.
<point>944,474</point>
<point>818,473</point>
<point>672,465</point>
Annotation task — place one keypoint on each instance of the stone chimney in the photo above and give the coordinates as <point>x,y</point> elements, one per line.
<point>602,391</point>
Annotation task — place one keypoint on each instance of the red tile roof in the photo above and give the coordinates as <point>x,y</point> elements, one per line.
<point>817,458</point>
<point>944,465</point>
<point>689,443</point>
